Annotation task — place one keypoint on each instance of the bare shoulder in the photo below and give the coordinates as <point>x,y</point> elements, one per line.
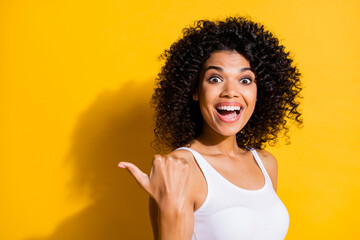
<point>270,164</point>
<point>267,158</point>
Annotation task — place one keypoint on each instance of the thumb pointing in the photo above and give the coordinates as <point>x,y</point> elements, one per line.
<point>140,177</point>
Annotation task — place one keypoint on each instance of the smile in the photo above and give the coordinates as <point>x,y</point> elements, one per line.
<point>229,113</point>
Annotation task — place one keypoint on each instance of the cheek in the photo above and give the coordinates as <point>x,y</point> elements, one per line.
<point>206,102</point>
<point>250,96</point>
<point>207,95</point>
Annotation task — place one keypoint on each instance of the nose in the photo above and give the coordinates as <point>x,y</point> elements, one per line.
<point>230,90</point>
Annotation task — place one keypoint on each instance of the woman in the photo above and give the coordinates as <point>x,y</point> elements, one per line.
<point>227,88</point>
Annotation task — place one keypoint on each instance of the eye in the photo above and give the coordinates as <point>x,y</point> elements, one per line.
<point>246,80</point>
<point>215,79</point>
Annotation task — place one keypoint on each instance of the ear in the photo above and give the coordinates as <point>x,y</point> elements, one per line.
<point>195,96</point>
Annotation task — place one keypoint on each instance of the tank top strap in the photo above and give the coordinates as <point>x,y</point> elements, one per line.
<point>261,165</point>
<point>211,175</point>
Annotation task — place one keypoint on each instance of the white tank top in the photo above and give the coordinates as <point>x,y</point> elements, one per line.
<point>233,213</point>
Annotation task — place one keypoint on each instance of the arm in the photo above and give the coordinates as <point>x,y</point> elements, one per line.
<point>154,214</point>
<point>271,166</point>
<point>155,218</point>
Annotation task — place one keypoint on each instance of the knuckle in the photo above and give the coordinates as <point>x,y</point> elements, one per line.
<point>157,159</point>
<point>182,162</point>
<point>179,161</point>
<point>186,165</point>
<point>169,158</point>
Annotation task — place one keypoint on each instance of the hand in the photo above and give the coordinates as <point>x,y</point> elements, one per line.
<point>167,182</point>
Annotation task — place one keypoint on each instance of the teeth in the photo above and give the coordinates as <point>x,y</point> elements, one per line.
<point>229,108</point>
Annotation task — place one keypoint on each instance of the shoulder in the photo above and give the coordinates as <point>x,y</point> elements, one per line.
<point>270,164</point>
<point>267,158</point>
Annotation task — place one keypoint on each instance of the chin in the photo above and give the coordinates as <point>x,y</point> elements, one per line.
<point>228,131</point>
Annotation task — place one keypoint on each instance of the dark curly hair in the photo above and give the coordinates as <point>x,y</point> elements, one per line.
<point>178,120</point>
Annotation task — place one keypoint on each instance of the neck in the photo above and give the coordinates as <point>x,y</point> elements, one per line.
<point>216,143</point>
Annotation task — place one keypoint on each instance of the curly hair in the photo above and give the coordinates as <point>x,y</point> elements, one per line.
<point>178,120</point>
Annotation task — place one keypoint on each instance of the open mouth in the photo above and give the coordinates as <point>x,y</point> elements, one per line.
<point>228,113</point>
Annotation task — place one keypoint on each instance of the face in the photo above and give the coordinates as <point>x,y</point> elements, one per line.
<point>226,92</point>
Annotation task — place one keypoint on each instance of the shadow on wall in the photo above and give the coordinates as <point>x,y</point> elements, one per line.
<point>116,127</point>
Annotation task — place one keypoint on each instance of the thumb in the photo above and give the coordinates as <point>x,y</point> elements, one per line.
<point>140,177</point>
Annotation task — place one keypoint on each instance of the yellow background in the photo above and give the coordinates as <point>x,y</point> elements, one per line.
<point>75,82</point>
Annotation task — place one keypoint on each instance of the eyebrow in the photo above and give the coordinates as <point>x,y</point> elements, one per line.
<point>222,70</point>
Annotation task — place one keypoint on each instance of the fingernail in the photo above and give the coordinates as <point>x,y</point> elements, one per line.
<point>121,165</point>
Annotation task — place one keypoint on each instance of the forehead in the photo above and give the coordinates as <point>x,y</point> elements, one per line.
<point>230,59</point>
